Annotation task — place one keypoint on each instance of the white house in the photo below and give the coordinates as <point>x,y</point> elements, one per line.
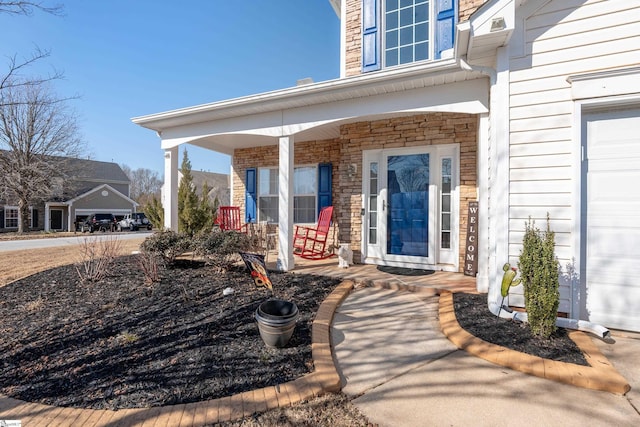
<point>526,107</point>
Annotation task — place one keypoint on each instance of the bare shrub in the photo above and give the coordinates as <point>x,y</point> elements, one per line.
<point>149,265</point>
<point>96,256</point>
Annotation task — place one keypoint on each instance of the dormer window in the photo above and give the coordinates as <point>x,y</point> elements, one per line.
<point>397,32</point>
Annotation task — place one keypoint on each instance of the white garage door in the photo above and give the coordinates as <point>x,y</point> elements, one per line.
<point>612,243</point>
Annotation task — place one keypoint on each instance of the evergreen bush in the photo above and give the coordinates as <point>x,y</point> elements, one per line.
<point>195,213</point>
<point>539,271</point>
<point>167,245</point>
<point>155,212</point>
<point>221,248</point>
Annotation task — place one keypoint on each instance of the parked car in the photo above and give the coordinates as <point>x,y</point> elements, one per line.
<point>134,222</point>
<point>98,221</point>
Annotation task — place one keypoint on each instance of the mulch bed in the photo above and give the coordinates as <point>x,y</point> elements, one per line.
<point>474,316</point>
<point>120,343</point>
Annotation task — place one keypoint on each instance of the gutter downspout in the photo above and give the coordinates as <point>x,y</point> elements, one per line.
<point>494,305</point>
<point>580,325</point>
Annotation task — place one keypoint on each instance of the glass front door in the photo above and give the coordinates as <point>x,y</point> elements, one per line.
<point>410,206</point>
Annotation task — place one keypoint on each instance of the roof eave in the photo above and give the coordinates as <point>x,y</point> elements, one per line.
<point>270,101</point>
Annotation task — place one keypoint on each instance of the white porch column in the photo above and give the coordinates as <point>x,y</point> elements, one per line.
<point>285,204</point>
<point>170,203</point>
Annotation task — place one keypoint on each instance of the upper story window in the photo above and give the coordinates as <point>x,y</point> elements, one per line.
<point>406,31</point>
<point>397,32</point>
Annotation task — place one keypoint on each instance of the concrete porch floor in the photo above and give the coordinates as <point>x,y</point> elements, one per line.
<point>368,274</point>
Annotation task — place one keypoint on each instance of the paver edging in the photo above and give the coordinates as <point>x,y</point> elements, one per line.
<point>600,375</point>
<point>324,379</point>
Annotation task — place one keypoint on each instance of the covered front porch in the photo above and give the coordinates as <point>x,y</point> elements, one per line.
<point>432,119</point>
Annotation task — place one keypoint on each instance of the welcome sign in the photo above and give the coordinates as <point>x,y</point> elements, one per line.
<point>471,252</point>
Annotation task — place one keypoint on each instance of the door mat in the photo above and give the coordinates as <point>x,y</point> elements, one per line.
<point>402,271</point>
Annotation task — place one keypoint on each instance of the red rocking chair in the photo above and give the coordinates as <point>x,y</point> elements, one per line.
<point>229,219</point>
<point>310,242</point>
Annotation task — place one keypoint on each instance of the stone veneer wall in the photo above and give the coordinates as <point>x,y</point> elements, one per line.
<point>353,46</point>
<point>419,130</point>
<point>305,153</point>
<point>467,7</point>
<point>353,43</point>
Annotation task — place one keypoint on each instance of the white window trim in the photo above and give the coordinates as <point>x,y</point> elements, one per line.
<point>275,168</point>
<point>431,40</point>
<point>8,208</point>
<point>445,259</point>
<point>17,209</point>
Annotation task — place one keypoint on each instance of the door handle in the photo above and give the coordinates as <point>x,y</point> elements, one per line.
<point>384,205</point>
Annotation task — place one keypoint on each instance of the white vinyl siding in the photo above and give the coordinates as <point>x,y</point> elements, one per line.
<point>561,39</point>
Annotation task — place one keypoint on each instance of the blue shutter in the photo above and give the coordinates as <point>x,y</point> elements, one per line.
<point>371,35</point>
<point>324,185</point>
<point>250,195</point>
<point>445,25</point>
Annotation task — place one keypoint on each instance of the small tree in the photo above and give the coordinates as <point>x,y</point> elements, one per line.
<point>35,127</point>
<point>155,212</point>
<point>539,271</point>
<point>194,213</point>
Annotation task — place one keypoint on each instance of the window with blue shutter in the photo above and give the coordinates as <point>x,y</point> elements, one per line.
<point>250,195</point>
<point>397,32</point>
<point>324,185</point>
<point>312,192</point>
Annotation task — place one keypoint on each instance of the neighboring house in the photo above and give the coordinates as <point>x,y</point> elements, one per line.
<point>218,184</point>
<point>528,107</point>
<point>91,186</point>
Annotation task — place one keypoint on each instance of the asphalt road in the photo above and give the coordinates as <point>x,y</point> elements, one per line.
<point>16,245</point>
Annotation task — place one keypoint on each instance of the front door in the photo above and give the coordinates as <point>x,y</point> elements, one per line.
<point>56,219</point>
<point>408,208</point>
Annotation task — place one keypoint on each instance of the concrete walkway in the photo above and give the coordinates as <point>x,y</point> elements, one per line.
<point>402,371</point>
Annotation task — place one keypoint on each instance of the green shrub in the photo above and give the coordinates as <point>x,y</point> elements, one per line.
<point>539,271</point>
<point>167,245</point>
<point>155,212</point>
<point>220,248</point>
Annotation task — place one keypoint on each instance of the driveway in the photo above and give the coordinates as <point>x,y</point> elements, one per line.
<point>16,245</point>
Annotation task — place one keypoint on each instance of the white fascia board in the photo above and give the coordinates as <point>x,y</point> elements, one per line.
<point>470,96</point>
<point>302,95</point>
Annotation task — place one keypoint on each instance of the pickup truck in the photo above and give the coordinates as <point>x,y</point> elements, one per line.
<point>134,222</point>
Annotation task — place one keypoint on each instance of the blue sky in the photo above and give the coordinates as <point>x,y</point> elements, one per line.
<point>127,58</point>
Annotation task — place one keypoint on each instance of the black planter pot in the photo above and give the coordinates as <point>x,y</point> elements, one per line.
<point>276,322</point>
